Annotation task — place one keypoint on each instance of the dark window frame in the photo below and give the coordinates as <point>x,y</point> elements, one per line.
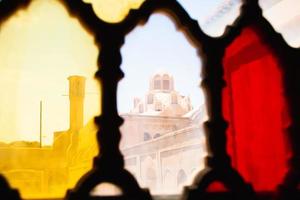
<point>109,164</point>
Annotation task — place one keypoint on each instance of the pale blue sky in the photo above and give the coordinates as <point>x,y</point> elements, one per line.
<point>158,46</point>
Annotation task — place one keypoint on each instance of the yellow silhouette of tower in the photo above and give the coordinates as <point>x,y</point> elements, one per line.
<point>76,96</point>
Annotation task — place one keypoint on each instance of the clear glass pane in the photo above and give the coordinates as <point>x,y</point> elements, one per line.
<point>163,107</point>
<point>49,98</point>
<point>284,16</point>
<point>213,16</point>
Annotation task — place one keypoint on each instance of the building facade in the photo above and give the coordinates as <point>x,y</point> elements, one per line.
<point>162,137</point>
<point>49,171</point>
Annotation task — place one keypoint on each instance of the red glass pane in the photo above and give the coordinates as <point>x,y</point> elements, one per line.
<point>255,107</point>
<point>216,187</point>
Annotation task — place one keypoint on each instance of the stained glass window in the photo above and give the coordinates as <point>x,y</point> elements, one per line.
<point>48,59</point>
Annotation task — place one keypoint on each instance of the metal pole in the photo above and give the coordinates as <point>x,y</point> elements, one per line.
<point>41,118</point>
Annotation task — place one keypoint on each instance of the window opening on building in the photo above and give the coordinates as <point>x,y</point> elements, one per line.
<point>157,82</point>
<point>150,99</point>
<point>147,136</point>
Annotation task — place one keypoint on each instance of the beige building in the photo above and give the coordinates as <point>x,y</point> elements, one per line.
<point>162,137</point>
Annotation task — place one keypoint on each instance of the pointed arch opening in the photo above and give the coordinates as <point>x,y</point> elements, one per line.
<point>50,97</point>
<point>159,55</point>
<point>255,105</point>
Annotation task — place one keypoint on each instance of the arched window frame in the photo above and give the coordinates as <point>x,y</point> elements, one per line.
<point>147,136</point>
<point>174,98</point>
<point>157,135</point>
<point>157,83</point>
<point>111,37</point>
<point>150,98</point>
<point>158,106</point>
<point>166,83</point>
<point>141,108</point>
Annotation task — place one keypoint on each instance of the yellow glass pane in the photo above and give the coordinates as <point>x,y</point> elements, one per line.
<point>49,99</point>
<point>113,10</point>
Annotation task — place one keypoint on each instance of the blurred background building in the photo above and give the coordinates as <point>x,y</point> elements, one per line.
<point>48,170</point>
<point>162,137</point>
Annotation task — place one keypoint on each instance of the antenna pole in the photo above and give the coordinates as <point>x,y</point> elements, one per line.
<point>41,118</point>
